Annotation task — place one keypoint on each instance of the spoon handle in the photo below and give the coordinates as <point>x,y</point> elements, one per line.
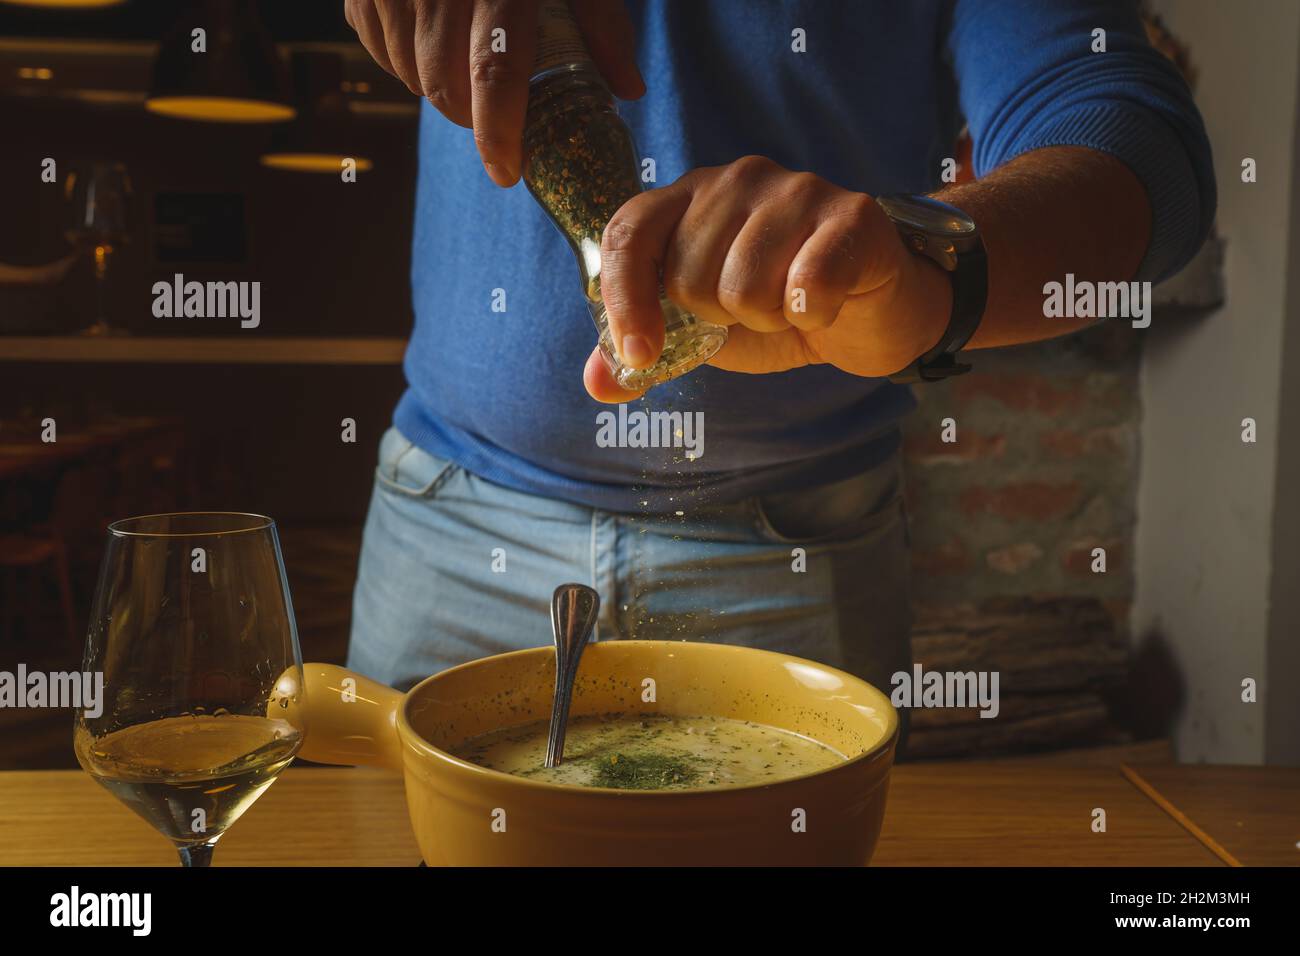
<point>574,608</point>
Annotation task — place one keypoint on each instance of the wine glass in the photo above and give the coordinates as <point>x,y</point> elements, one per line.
<point>97,195</point>
<point>193,630</point>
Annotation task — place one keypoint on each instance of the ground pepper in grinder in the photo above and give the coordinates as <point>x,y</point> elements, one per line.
<point>581,165</point>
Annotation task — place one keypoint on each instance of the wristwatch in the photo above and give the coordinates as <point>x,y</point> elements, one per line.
<point>947,236</point>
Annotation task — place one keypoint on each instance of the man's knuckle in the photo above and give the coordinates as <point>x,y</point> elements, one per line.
<point>436,95</point>
<point>620,236</point>
<point>858,212</point>
<point>745,170</point>
<point>752,163</point>
<point>802,187</point>
<point>492,72</point>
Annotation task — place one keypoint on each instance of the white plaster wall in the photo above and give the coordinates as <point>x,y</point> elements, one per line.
<point>1205,499</point>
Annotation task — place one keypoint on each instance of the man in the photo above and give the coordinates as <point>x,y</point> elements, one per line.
<point>772,128</point>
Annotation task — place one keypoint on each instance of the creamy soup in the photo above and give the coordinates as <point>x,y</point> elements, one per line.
<point>653,752</point>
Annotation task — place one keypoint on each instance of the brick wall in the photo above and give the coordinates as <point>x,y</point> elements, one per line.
<point>1044,469</point>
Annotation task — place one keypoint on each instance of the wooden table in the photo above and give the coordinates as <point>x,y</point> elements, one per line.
<point>954,814</point>
<point>1251,813</point>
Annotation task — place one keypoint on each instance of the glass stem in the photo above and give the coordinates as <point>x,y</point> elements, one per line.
<point>200,854</point>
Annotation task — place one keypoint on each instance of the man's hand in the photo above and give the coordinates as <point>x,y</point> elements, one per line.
<point>802,272</point>
<point>443,50</point>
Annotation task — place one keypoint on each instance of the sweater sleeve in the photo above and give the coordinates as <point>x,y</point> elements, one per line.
<point>1028,78</point>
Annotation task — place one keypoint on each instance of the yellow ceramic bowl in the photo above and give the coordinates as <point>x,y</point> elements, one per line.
<point>464,814</point>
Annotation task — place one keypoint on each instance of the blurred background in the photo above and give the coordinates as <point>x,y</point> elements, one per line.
<point>1122,439</point>
<point>177,414</point>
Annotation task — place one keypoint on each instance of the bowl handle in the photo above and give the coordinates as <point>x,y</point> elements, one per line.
<point>350,719</point>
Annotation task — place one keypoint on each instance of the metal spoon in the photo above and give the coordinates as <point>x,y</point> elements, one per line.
<point>574,608</point>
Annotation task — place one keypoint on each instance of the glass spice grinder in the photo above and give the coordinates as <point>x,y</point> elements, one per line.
<point>581,165</point>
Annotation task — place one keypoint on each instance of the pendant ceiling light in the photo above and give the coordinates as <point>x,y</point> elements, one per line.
<point>322,136</point>
<point>238,78</point>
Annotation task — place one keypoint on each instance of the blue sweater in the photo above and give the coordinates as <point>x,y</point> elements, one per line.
<point>875,105</point>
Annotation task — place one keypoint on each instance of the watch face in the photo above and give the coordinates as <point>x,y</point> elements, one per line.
<point>931,216</point>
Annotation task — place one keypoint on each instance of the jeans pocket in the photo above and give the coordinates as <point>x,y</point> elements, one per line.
<point>408,470</point>
<point>846,510</point>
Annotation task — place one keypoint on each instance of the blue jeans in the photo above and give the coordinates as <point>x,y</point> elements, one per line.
<point>455,568</point>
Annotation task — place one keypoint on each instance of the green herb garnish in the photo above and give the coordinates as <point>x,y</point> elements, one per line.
<point>645,771</point>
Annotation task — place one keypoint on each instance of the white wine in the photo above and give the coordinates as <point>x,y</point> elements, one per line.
<point>192,776</point>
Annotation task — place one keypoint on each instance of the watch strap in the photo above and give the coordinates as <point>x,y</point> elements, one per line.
<point>970,290</point>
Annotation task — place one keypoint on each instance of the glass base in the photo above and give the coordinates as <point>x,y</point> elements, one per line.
<point>688,343</point>
<point>689,348</point>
